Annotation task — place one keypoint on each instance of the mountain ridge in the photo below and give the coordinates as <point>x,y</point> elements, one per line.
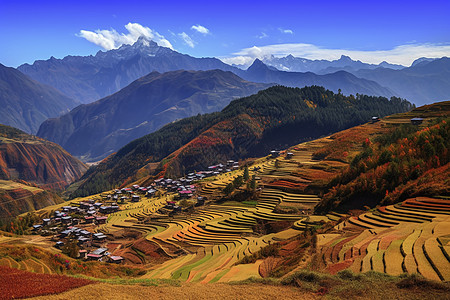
<point>322,66</point>
<point>424,82</point>
<point>89,78</point>
<point>342,81</point>
<point>97,129</point>
<point>26,103</point>
<point>253,125</point>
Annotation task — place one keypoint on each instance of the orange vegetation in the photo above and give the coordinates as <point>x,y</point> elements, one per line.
<point>288,184</point>
<point>345,141</point>
<point>21,284</point>
<point>43,163</point>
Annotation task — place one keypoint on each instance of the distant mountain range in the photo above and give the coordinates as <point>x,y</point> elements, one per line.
<point>37,161</point>
<point>137,97</point>
<point>89,78</point>
<point>346,82</point>
<point>426,81</point>
<point>95,130</point>
<point>25,103</point>
<point>251,126</point>
<point>322,66</point>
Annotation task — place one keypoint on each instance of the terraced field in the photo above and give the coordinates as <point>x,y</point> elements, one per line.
<point>409,237</point>
<point>215,237</point>
<point>205,244</point>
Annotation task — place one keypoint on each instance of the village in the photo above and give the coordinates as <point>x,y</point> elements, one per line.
<point>77,225</point>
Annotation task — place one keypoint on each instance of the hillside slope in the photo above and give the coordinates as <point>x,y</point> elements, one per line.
<point>21,197</point>
<point>251,126</point>
<point>98,129</point>
<point>406,161</point>
<point>25,103</point>
<point>28,158</point>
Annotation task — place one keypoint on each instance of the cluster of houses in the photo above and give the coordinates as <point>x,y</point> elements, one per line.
<point>85,213</point>
<point>120,195</point>
<point>184,185</point>
<point>220,168</point>
<point>84,238</point>
<point>277,153</point>
<point>71,224</point>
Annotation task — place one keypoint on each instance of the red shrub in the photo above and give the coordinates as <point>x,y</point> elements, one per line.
<point>21,284</point>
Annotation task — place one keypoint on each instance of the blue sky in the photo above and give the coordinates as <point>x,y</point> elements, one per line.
<point>238,31</point>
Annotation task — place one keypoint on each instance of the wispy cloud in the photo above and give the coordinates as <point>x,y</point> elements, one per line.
<point>403,54</point>
<point>287,31</point>
<point>187,39</point>
<point>111,39</point>
<point>262,35</point>
<point>199,28</point>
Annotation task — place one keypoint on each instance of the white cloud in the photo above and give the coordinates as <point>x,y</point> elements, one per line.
<point>262,36</point>
<point>187,39</point>
<point>287,31</point>
<point>111,39</point>
<point>201,29</point>
<point>403,55</point>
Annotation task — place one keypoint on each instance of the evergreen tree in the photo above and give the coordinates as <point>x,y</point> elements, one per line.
<point>253,183</point>
<point>246,175</point>
<point>228,189</point>
<point>238,181</point>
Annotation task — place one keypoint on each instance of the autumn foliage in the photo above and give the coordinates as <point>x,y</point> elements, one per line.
<point>16,284</point>
<point>395,166</point>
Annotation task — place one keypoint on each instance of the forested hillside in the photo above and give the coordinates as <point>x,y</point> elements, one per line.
<point>274,118</point>
<point>406,162</point>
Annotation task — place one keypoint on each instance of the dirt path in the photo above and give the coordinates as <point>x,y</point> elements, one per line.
<point>186,291</point>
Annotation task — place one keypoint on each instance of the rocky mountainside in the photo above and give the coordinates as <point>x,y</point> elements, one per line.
<point>95,130</point>
<point>37,161</point>
<point>274,118</point>
<point>25,103</point>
